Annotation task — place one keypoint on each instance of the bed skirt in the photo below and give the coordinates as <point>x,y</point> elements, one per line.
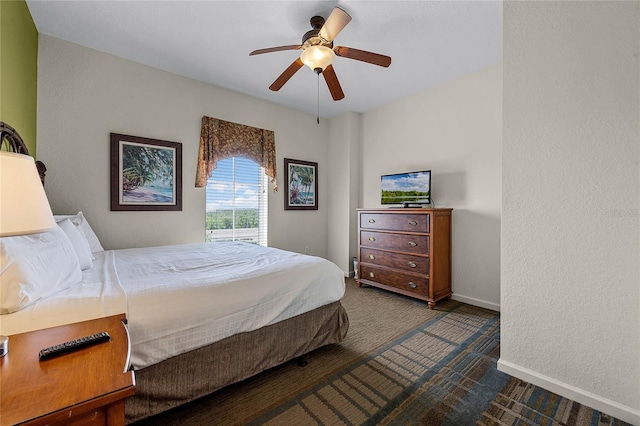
<point>202,371</point>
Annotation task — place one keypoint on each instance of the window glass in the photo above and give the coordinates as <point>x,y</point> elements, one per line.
<point>237,202</point>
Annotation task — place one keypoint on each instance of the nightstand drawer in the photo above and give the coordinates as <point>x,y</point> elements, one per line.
<point>397,242</point>
<point>97,417</point>
<point>396,222</point>
<point>407,262</point>
<point>405,282</point>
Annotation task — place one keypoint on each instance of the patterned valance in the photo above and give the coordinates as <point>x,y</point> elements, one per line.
<point>221,139</point>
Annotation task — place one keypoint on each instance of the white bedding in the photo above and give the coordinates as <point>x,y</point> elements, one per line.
<point>97,295</point>
<point>232,287</point>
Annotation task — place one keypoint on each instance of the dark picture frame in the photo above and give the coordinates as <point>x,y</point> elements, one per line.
<point>146,174</point>
<point>301,177</point>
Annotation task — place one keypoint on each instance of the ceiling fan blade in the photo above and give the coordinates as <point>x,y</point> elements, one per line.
<point>337,20</point>
<point>332,83</point>
<point>286,75</point>
<point>275,49</point>
<point>362,55</point>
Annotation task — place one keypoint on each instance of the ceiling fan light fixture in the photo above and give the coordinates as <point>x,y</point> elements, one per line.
<point>318,53</point>
<point>317,57</point>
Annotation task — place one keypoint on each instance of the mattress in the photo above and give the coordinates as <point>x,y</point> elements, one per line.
<point>184,297</point>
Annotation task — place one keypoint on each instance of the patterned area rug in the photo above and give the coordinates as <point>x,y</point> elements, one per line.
<point>438,373</point>
<point>441,371</point>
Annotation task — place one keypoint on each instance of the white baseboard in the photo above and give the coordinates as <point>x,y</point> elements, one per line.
<point>612,408</point>
<point>476,302</point>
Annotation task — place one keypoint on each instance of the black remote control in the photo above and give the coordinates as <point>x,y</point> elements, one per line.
<point>73,345</point>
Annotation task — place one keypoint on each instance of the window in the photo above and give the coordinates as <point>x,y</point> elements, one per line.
<point>237,202</point>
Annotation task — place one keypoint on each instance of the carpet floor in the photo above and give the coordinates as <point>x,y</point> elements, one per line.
<point>400,364</point>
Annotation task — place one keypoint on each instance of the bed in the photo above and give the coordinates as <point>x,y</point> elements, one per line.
<point>200,316</point>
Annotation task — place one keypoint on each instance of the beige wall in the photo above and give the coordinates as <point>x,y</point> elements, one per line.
<point>455,131</point>
<point>83,95</point>
<point>344,188</point>
<point>570,204</point>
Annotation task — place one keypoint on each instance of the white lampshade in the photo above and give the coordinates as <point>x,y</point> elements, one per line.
<point>24,208</point>
<point>317,57</point>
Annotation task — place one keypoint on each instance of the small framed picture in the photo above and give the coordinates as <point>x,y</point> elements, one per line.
<point>146,174</point>
<point>301,185</point>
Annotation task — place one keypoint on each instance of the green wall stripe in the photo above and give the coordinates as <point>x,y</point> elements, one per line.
<point>19,70</point>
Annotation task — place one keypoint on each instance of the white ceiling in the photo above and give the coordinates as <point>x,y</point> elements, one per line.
<point>430,42</point>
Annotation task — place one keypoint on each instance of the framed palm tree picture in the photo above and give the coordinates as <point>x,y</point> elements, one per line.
<point>301,185</point>
<point>146,174</point>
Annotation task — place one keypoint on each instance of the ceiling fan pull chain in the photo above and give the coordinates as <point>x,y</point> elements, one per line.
<point>318,116</point>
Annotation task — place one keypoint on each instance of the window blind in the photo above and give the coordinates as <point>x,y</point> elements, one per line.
<point>237,202</point>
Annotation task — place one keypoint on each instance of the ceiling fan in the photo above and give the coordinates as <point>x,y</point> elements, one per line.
<point>318,52</point>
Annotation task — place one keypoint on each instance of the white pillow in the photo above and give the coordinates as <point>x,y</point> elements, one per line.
<point>33,267</point>
<point>79,243</point>
<point>81,222</point>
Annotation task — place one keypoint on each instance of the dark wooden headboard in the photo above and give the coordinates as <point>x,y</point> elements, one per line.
<point>10,138</point>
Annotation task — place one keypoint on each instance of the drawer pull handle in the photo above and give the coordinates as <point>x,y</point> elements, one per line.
<point>372,221</point>
<point>413,223</point>
<point>412,284</point>
<point>372,238</point>
<point>412,244</point>
<point>413,264</point>
<point>372,275</point>
<point>372,257</point>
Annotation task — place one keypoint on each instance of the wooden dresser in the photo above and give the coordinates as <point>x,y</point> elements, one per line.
<point>84,387</point>
<point>406,250</point>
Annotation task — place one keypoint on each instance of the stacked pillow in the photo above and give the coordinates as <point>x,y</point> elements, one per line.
<point>79,243</point>
<point>33,267</point>
<point>81,223</point>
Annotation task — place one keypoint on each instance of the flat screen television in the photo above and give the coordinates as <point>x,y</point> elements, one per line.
<point>406,189</point>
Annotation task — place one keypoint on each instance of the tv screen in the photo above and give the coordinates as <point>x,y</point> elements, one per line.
<point>406,188</point>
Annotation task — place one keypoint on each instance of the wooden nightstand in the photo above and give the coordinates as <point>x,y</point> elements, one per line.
<point>87,386</point>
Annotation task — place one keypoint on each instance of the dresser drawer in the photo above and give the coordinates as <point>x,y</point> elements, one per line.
<point>419,285</point>
<point>407,262</point>
<point>397,242</point>
<point>396,222</point>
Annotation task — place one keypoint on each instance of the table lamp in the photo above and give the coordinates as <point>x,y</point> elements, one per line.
<point>24,208</point>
